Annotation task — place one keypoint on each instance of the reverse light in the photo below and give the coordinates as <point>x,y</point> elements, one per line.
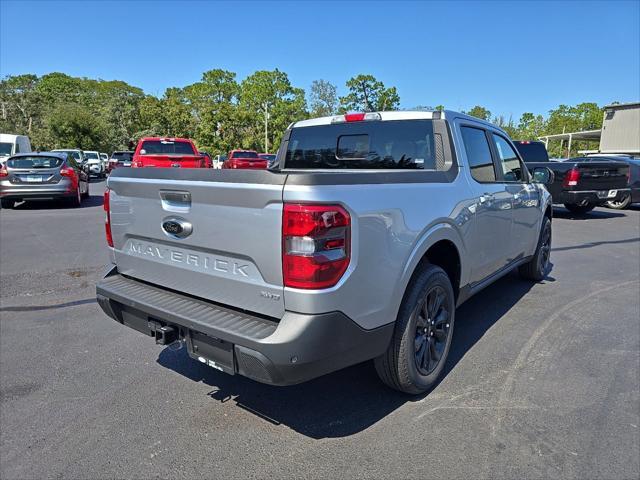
<point>107,218</point>
<point>571,178</point>
<point>315,245</point>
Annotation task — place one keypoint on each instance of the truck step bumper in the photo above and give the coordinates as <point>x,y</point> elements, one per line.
<point>291,350</point>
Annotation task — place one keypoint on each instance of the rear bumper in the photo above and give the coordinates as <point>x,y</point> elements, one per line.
<point>62,189</point>
<point>294,349</point>
<point>588,196</point>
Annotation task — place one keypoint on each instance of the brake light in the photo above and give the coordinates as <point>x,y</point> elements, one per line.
<point>69,172</point>
<point>571,178</point>
<point>356,117</point>
<point>3,171</point>
<point>315,245</point>
<point>107,218</point>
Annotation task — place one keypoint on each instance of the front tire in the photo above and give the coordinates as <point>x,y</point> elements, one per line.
<point>621,204</point>
<point>420,344</point>
<point>536,269</point>
<point>579,209</point>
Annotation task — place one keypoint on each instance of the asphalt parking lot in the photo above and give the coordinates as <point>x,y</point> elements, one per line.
<point>542,382</point>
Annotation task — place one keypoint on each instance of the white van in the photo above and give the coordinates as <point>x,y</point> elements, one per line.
<point>12,144</point>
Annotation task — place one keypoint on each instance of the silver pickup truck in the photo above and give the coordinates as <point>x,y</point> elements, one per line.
<point>358,243</point>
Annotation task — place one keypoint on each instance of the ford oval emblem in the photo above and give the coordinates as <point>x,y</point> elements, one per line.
<point>177,227</point>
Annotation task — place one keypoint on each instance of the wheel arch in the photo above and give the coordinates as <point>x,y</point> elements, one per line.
<point>441,245</point>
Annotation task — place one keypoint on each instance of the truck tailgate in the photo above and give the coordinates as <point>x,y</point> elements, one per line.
<point>602,175</point>
<point>232,255</point>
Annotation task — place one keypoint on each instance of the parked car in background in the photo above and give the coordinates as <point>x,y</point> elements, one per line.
<point>43,176</point>
<point>12,144</point>
<point>579,185</point>
<point>207,160</point>
<point>219,160</point>
<point>120,159</point>
<point>105,161</point>
<point>167,152</point>
<point>77,154</point>
<point>359,246</point>
<point>243,159</point>
<point>269,157</point>
<point>633,180</point>
<point>96,167</point>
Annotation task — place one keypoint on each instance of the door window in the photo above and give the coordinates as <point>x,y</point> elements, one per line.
<point>508,160</point>
<point>478,154</point>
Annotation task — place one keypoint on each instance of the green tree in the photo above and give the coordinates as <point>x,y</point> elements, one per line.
<point>75,126</point>
<point>367,94</point>
<point>268,94</point>
<point>530,126</point>
<point>213,103</point>
<point>480,112</point>
<point>323,98</point>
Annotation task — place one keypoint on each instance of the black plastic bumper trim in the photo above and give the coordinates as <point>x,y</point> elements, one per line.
<point>298,348</point>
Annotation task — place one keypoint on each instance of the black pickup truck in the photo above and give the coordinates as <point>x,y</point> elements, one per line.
<point>578,185</point>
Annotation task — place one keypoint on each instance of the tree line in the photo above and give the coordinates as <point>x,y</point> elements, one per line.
<point>220,112</point>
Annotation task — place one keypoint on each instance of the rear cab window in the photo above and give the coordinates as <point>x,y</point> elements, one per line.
<point>122,156</point>
<point>532,151</point>
<point>34,162</point>
<point>166,147</point>
<point>245,154</point>
<point>377,145</point>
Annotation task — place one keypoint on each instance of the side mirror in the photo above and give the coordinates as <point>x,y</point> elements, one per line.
<point>543,175</point>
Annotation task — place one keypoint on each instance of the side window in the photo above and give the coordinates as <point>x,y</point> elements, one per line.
<point>508,159</point>
<point>17,147</point>
<point>478,154</point>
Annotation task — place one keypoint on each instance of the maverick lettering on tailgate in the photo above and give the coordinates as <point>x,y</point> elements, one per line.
<point>186,258</point>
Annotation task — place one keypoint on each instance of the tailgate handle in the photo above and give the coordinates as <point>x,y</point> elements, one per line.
<point>175,201</point>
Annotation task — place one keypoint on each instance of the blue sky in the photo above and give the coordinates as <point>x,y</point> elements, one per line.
<point>510,57</point>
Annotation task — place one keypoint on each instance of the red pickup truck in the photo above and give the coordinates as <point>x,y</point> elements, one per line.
<point>244,159</point>
<point>167,152</point>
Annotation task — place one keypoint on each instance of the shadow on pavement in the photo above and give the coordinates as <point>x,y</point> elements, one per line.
<point>348,401</point>
<point>92,201</point>
<point>595,244</point>
<point>561,212</point>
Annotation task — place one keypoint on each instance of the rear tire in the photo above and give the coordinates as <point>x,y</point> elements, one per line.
<point>76,200</point>
<point>420,344</point>
<point>7,203</point>
<point>579,209</point>
<point>621,204</point>
<point>536,269</point>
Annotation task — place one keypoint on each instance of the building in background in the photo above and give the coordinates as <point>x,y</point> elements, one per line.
<point>620,132</point>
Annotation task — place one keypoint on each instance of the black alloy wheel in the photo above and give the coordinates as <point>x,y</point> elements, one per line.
<point>432,329</point>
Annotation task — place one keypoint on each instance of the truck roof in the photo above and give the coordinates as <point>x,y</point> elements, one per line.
<point>399,115</point>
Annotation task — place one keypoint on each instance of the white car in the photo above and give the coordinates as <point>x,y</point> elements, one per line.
<point>105,161</point>
<point>12,144</point>
<point>96,166</point>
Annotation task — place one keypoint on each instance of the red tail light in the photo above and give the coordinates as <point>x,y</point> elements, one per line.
<point>315,245</point>
<point>69,172</point>
<point>107,218</point>
<point>3,171</point>
<point>571,178</point>
<point>136,164</point>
